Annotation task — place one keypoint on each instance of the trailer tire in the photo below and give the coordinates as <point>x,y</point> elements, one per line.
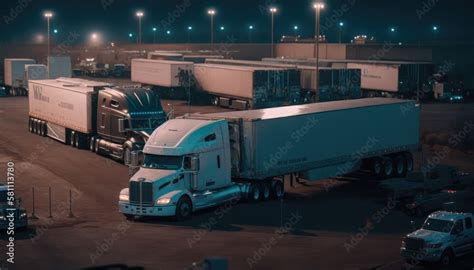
<point>265,191</point>
<point>409,162</point>
<point>400,166</point>
<point>72,138</point>
<point>184,208</point>
<point>97,143</point>
<point>92,144</point>
<point>388,168</point>
<point>35,126</point>
<point>277,190</point>
<point>376,167</point>
<point>41,128</point>
<point>30,125</point>
<point>254,193</point>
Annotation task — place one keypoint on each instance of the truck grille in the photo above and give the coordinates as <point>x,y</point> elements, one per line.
<point>146,193</point>
<point>414,244</point>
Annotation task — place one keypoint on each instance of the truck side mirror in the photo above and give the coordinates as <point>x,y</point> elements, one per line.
<point>123,125</point>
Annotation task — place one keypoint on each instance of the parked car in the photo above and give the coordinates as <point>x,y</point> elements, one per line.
<point>443,237</point>
<point>436,179</point>
<point>11,213</point>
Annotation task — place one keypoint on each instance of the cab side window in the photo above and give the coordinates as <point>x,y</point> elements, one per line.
<point>458,227</point>
<point>468,222</point>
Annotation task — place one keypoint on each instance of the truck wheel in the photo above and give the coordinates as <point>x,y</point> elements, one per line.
<point>254,193</point>
<point>92,144</point>
<point>277,190</point>
<point>446,258</point>
<point>265,191</point>
<point>400,166</point>
<point>79,141</point>
<point>97,143</point>
<point>409,162</point>
<point>388,170</point>
<point>183,208</point>
<point>72,138</point>
<point>376,167</point>
<point>41,128</point>
<point>30,125</point>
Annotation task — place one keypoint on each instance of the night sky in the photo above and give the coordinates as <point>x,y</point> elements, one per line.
<point>115,19</point>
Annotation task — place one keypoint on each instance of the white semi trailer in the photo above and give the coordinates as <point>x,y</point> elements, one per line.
<point>203,160</point>
<point>15,75</point>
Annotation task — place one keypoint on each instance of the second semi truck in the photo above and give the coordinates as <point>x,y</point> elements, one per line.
<point>86,114</point>
<point>204,160</point>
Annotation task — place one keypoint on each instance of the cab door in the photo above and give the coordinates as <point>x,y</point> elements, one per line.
<point>461,241</point>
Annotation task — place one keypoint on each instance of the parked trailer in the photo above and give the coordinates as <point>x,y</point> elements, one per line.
<point>59,67</point>
<point>200,59</point>
<point>387,78</point>
<point>86,114</point>
<point>203,160</point>
<point>242,87</point>
<point>14,69</point>
<point>335,83</point>
<point>35,72</point>
<point>158,55</point>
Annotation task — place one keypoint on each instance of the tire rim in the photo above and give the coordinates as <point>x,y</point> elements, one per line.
<point>446,260</point>
<point>377,167</point>
<point>184,209</point>
<point>388,168</point>
<point>278,191</point>
<point>266,192</point>
<point>92,145</point>
<point>255,194</point>
<point>400,167</point>
<point>410,164</point>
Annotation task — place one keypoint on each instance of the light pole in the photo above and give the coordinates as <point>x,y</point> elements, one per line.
<point>317,6</point>
<point>211,13</point>
<point>273,10</point>
<point>154,35</point>
<point>190,29</point>
<point>341,25</point>
<point>250,33</point>
<point>48,15</point>
<point>140,16</point>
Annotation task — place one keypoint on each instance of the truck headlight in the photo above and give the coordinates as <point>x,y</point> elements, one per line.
<point>163,201</point>
<point>437,245</point>
<point>124,197</point>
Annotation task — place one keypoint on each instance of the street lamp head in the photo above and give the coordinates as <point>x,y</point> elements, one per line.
<point>130,35</point>
<point>154,29</point>
<point>341,24</point>
<point>296,27</point>
<point>140,14</point>
<point>190,28</point>
<point>222,28</point>
<point>55,31</point>
<point>318,5</point>
<point>251,27</point>
<point>211,12</point>
<point>48,14</point>
<point>273,10</point>
<point>168,32</point>
<point>392,29</point>
<point>94,36</point>
<point>435,28</point>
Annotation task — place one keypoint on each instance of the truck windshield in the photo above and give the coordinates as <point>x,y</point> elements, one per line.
<point>438,225</point>
<point>163,162</point>
<point>146,124</point>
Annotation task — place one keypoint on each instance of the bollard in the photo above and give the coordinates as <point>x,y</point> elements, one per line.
<point>71,215</point>
<point>50,213</point>
<point>33,214</point>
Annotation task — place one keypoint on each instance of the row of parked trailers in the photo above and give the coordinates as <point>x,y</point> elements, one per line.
<point>246,84</point>
<point>391,78</point>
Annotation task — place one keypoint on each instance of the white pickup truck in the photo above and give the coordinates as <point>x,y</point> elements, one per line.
<point>443,237</point>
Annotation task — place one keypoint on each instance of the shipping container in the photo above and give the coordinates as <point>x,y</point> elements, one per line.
<point>15,71</point>
<point>35,72</point>
<point>59,67</point>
